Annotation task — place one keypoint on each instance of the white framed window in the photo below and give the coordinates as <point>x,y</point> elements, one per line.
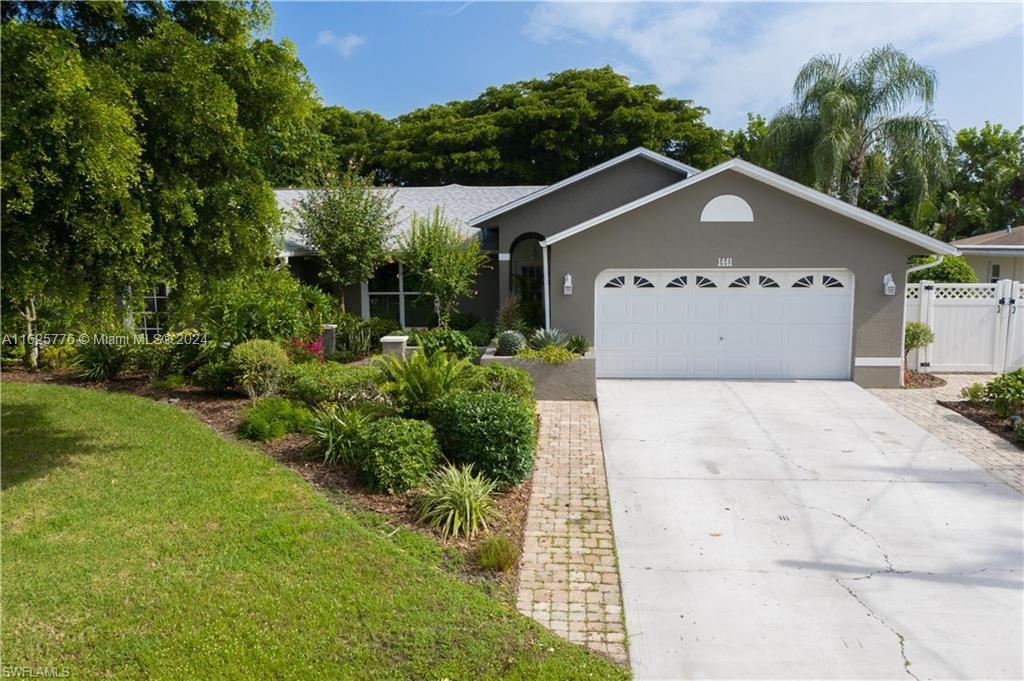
<point>393,294</point>
<point>152,320</point>
<point>993,273</point>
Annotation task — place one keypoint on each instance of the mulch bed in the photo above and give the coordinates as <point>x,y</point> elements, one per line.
<point>984,416</point>
<point>919,379</point>
<point>340,485</point>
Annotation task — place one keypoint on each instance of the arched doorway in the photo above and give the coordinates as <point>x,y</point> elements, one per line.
<point>526,277</point>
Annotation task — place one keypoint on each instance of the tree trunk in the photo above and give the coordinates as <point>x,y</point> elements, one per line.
<point>856,168</point>
<point>28,313</point>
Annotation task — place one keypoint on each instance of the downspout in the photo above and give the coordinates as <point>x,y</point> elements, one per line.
<point>918,268</point>
<point>547,287</point>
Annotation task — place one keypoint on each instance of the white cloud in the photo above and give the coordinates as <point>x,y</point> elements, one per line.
<point>344,45</point>
<point>736,58</point>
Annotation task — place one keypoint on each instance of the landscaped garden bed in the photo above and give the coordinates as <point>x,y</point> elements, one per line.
<point>998,405</point>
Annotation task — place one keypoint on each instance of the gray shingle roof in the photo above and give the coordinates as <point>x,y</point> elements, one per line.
<point>1002,238</point>
<point>459,203</point>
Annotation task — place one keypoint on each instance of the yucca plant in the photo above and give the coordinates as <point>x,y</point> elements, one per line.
<point>418,380</point>
<point>101,361</point>
<point>338,432</point>
<point>542,338</point>
<point>457,501</point>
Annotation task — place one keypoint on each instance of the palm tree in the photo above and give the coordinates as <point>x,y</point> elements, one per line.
<point>847,113</point>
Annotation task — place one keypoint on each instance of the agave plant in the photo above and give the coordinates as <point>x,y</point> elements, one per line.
<point>457,501</point>
<point>510,343</point>
<point>542,338</point>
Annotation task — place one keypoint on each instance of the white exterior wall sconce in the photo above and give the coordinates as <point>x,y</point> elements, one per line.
<point>889,284</point>
<point>567,285</point>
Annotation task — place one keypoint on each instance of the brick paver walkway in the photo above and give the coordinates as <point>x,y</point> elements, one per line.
<point>1001,458</point>
<point>568,576</point>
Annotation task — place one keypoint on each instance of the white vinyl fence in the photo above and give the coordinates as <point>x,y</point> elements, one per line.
<point>978,327</point>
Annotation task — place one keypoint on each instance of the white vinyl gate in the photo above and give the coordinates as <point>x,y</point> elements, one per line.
<point>977,326</point>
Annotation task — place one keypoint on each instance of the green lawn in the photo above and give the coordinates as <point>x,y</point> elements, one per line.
<point>136,542</point>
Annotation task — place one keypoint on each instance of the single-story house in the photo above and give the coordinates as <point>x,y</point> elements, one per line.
<point>995,255</point>
<point>730,272</point>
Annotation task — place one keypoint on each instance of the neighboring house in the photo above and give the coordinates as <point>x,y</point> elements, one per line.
<point>996,255</point>
<point>731,272</point>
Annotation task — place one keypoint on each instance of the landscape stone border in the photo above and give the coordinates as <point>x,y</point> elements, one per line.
<point>572,381</point>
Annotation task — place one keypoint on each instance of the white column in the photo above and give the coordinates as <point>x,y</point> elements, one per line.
<point>547,287</point>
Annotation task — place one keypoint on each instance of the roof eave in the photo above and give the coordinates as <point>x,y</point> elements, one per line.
<point>784,184</point>
<point>544,191</point>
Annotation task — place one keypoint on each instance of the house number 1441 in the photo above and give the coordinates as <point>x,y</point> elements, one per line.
<point>725,262</point>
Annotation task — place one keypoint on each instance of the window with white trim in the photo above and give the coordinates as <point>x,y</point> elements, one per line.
<point>393,294</point>
<point>993,273</point>
<point>152,321</point>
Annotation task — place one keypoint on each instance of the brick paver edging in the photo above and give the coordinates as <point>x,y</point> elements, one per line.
<point>568,575</point>
<point>999,457</point>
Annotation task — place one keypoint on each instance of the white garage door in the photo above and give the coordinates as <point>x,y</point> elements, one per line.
<point>723,324</point>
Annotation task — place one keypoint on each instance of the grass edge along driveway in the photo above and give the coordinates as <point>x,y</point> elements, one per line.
<point>139,543</point>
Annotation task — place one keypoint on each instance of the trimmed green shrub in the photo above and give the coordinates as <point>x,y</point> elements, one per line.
<point>509,380</point>
<point>457,501</point>
<point>102,361</point>
<point>398,454</point>
<point>271,417</point>
<point>444,340</point>
<point>953,269</point>
<point>258,366</point>
<point>480,334</point>
<point>549,354</point>
<point>498,552</point>
<point>543,338</point>
<point>1006,392</point>
<point>494,432</point>
<point>314,383</point>
<point>418,380</point>
<point>578,345</point>
<point>509,343</point>
<point>215,377</point>
<point>916,336</point>
<point>339,433</point>
<point>975,392</point>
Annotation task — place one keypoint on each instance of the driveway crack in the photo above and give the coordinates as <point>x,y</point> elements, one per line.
<point>899,637</point>
<point>881,549</point>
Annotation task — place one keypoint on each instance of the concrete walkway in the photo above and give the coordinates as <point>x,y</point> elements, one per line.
<point>568,578</point>
<point>999,457</point>
<point>805,530</point>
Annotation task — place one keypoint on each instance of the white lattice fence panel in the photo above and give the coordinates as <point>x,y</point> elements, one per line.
<point>970,322</point>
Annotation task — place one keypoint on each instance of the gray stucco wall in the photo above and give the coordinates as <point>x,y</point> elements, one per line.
<point>787,232</point>
<point>577,202</point>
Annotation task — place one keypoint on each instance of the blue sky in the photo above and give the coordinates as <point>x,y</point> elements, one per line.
<point>730,57</point>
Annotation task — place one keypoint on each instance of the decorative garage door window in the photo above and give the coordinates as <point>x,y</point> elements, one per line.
<point>729,279</point>
<point>724,323</point>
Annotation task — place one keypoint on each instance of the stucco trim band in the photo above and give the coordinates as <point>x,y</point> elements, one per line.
<point>878,361</point>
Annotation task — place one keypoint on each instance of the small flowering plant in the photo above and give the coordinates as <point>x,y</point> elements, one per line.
<point>307,349</point>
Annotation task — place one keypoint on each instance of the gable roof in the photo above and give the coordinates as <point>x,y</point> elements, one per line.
<point>1009,240</point>
<point>639,152</point>
<point>460,203</point>
<point>784,184</point>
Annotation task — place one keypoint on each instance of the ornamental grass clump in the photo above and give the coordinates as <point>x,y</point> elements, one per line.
<point>457,502</point>
<point>339,432</point>
<point>498,552</point>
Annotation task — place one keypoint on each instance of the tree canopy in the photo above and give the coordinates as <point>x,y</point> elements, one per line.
<point>140,141</point>
<point>530,132</point>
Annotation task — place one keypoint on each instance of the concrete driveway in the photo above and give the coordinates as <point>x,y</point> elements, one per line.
<point>805,530</point>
